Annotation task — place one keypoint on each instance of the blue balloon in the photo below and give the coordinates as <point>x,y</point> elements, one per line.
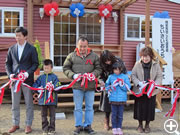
<point>165,14</point>
<point>73,15</point>
<point>81,13</point>
<point>157,15</point>
<point>80,6</point>
<point>72,7</point>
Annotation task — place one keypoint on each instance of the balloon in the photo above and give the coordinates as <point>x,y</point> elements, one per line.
<point>81,13</point>
<point>72,7</point>
<point>80,6</point>
<point>165,14</point>
<point>109,7</point>
<point>57,12</point>
<point>54,5</point>
<point>47,8</point>
<point>157,15</point>
<point>101,7</point>
<point>72,13</point>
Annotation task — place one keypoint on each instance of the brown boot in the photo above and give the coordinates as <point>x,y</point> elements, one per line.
<point>13,129</point>
<point>106,124</point>
<point>28,129</point>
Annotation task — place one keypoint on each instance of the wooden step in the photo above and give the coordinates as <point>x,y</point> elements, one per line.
<point>71,104</point>
<point>71,94</point>
<point>96,103</point>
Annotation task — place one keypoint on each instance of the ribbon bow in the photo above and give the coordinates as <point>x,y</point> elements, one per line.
<point>88,77</point>
<point>19,80</point>
<point>50,88</point>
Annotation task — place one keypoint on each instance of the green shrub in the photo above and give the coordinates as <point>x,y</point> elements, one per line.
<point>39,52</point>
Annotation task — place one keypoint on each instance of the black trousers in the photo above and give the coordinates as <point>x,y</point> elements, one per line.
<point>46,125</point>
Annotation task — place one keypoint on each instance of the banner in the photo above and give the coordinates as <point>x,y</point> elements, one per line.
<point>162,43</point>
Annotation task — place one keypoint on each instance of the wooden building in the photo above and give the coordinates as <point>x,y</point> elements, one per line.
<point>60,32</point>
<point>121,36</point>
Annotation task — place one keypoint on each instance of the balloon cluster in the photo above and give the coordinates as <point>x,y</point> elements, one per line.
<point>105,11</point>
<point>51,9</point>
<point>77,9</point>
<point>164,14</point>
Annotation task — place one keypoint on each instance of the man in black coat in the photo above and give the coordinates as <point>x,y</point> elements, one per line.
<point>22,57</point>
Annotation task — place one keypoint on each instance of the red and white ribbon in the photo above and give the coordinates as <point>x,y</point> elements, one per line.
<point>19,80</point>
<point>50,88</point>
<point>151,88</point>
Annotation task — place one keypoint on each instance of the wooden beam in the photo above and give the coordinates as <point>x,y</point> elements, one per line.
<point>121,20</point>
<point>47,51</point>
<point>89,1</point>
<point>115,3</point>
<point>65,4</point>
<point>125,3</point>
<point>30,20</point>
<point>37,1</point>
<point>147,22</point>
<point>97,2</point>
<point>70,1</point>
<point>130,3</point>
<point>107,2</point>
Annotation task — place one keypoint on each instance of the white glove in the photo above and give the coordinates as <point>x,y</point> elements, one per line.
<point>76,76</point>
<point>102,83</point>
<point>140,84</point>
<point>11,76</point>
<point>26,74</point>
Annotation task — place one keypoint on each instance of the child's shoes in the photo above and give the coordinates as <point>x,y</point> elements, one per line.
<point>114,130</point>
<point>119,131</point>
<point>51,133</point>
<point>45,132</point>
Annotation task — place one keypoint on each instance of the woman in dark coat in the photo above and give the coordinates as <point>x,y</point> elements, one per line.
<point>107,59</point>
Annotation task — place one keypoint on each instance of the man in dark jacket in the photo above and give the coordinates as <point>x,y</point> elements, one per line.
<point>82,60</point>
<point>22,57</point>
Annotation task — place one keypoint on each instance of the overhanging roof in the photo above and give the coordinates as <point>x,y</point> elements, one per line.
<point>92,4</point>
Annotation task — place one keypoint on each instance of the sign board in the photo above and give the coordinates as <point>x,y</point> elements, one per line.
<point>162,43</point>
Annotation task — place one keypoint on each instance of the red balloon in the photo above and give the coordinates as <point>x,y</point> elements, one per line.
<point>47,8</point>
<point>101,14</point>
<point>54,5</point>
<point>57,12</point>
<point>109,7</point>
<point>101,7</point>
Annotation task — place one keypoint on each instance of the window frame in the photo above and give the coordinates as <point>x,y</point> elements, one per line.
<point>11,9</point>
<point>66,10</point>
<point>141,18</point>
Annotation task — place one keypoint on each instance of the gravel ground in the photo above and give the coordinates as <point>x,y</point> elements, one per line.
<point>66,126</point>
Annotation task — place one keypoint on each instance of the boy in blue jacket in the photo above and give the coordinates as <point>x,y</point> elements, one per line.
<point>42,80</point>
<point>118,95</point>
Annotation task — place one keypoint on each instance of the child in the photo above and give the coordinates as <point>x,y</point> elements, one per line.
<point>118,96</point>
<point>48,76</point>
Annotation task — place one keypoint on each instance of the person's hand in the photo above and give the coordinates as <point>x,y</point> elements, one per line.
<point>11,76</point>
<point>26,74</point>
<point>102,84</point>
<point>140,84</point>
<point>75,76</point>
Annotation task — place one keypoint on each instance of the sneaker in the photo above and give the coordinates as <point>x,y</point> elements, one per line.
<point>51,133</point>
<point>45,132</point>
<point>120,132</point>
<point>78,130</point>
<point>114,131</point>
<point>89,130</point>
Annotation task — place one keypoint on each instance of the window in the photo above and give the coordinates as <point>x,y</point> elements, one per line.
<point>10,19</point>
<point>90,26</point>
<point>135,27</point>
<point>65,31</point>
